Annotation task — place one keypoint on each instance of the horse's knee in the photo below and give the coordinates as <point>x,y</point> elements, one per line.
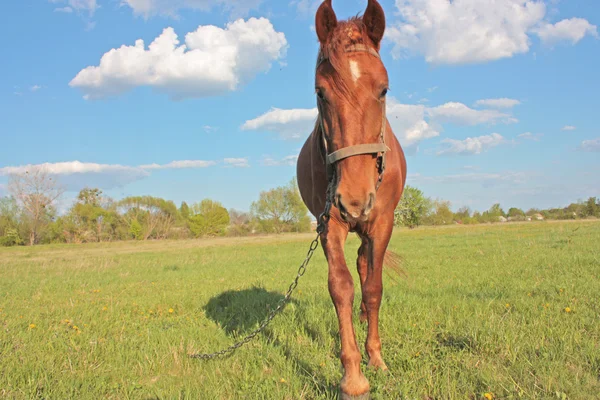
<point>341,287</point>
<point>371,293</point>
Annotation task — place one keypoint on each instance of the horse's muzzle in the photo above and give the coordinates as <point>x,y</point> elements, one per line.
<point>354,210</point>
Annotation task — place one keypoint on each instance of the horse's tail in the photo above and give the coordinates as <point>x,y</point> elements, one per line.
<point>394,261</point>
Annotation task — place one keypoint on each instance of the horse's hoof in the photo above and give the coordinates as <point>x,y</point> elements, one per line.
<point>378,366</point>
<point>364,396</point>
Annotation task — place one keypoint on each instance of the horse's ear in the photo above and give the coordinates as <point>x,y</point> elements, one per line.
<point>325,21</point>
<point>374,19</point>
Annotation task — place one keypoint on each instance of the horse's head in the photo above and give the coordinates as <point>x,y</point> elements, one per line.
<point>351,84</point>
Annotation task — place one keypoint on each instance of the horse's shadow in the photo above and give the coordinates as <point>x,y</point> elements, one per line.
<point>239,312</point>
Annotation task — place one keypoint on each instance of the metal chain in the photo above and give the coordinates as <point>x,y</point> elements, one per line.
<point>323,220</point>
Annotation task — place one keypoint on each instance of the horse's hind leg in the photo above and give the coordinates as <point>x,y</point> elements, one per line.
<point>354,385</point>
<point>361,266</point>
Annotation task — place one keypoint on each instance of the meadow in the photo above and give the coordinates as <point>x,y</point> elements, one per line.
<point>509,311</point>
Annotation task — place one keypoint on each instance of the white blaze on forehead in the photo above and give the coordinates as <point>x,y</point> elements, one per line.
<point>354,70</point>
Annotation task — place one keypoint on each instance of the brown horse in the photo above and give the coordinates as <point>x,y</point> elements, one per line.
<point>352,145</point>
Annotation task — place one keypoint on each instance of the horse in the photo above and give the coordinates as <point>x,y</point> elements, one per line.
<point>353,159</point>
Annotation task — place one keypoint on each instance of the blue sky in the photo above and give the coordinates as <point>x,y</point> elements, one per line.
<point>492,102</point>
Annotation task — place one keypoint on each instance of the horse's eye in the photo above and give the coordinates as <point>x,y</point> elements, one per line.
<point>320,93</point>
<point>383,92</point>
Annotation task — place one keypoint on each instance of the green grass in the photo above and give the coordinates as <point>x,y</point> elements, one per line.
<point>483,310</point>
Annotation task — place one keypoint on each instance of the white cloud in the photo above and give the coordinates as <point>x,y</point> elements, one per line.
<point>183,164</point>
<point>289,124</point>
<point>35,88</point>
<point>486,179</point>
<point>306,6</point>
<point>170,8</point>
<point>210,129</point>
<point>471,145</point>
<point>568,128</point>
<point>592,145</point>
<point>62,168</point>
<point>77,5</point>
<point>409,123</point>
<point>237,162</point>
<point>460,114</point>
<point>412,123</point>
<point>285,161</point>
<point>568,30</point>
<point>76,175</point>
<point>67,10</point>
<point>474,31</point>
<point>531,136</point>
<point>212,61</point>
<point>498,103</point>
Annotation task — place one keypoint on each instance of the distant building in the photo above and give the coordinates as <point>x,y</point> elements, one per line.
<point>502,219</point>
<point>538,216</point>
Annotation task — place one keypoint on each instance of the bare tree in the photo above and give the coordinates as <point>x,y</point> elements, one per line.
<point>36,192</point>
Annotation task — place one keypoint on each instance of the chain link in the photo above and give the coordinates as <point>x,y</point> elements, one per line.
<point>323,220</point>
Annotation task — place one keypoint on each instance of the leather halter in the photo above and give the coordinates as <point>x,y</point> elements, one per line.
<point>367,148</point>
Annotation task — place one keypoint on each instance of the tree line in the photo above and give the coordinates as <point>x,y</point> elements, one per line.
<point>28,215</point>
<point>416,209</point>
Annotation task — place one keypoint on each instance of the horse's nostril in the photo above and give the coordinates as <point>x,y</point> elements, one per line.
<point>370,203</point>
<point>340,205</point>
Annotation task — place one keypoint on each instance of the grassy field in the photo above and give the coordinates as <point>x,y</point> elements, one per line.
<point>506,312</point>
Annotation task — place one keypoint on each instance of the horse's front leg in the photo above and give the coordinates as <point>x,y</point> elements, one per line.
<point>372,288</point>
<point>341,289</point>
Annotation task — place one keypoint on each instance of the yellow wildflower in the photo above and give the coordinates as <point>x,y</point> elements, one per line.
<point>488,396</point>
<point>31,326</point>
<point>104,308</point>
<point>282,380</point>
<point>171,311</point>
<point>567,309</point>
